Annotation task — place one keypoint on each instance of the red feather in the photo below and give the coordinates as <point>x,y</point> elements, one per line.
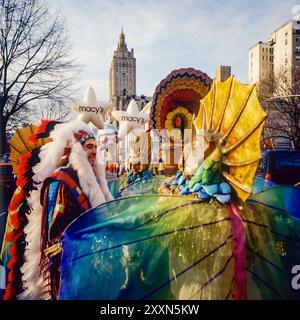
<point>18,197</point>
<point>11,263</point>
<point>40,130</point>
<point>15,221</point>
<point>43,130</point>
<point>23,168</point>
<point>13,236</point>
<point>11,277</point>
<point>10,292</point>
<point>13,250</point>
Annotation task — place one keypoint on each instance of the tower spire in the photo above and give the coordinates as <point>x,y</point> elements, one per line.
<point>122,44</point>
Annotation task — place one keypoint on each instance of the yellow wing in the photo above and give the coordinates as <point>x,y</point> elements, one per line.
<point>233,119</point>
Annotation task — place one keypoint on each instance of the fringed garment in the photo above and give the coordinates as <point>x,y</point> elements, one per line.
<point>63,201</point>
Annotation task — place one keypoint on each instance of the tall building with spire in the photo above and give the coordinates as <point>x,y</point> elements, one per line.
<point>122,74</point>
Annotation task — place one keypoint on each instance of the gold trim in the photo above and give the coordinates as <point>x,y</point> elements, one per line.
<point>236,183</point>
<point>244,163</point>
<point>214,105</point>
<point>53,250</point>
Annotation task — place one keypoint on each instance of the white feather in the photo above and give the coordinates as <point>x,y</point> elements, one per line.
<point>51,153</point>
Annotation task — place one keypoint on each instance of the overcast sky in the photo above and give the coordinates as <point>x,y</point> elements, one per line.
<point>167,35</point>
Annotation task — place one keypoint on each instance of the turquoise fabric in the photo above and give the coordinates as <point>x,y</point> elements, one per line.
<point>52,195</point>
<point>178,247</point>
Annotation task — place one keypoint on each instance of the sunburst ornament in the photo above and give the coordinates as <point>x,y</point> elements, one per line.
<point>91,110</point>
<point>180,118</point>
<point>130,120</point>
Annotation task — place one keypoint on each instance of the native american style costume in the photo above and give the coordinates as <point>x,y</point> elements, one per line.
<point>215,240</point>
<point>206,237</point>
<point>25,156</point>
<point>47,200</point>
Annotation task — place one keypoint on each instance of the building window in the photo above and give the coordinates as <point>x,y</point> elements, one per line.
<point>286,42</point>
<point>298,58</point>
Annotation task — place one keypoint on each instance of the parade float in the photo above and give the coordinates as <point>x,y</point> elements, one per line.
<point>209,238</point>
<point>200,234</point>
<point>174,102</point>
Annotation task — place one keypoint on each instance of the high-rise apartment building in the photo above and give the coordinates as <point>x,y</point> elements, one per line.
<point>260,62</point>
<point>282,52</point>
<point>285,42</point>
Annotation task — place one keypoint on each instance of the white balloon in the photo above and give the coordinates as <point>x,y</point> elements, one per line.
<point>131,119</point>
<point>91,110</point>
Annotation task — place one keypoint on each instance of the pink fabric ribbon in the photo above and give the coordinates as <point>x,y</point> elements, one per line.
<point>239,242</point>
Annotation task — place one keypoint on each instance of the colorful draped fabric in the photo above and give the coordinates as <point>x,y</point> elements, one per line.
<point>63,201</point>
<point>179,247</point>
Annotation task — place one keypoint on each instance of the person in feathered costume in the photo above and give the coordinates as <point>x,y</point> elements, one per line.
<point>66,181</point>
<point>19,210</point>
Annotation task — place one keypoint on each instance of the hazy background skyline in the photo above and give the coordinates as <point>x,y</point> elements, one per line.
<point>167,35</point>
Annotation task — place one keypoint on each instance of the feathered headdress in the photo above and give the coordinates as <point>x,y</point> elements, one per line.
<point>19,208</point>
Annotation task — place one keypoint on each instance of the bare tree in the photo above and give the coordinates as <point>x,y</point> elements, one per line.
<point>17,120</point>
<point>35,63</point>
<point>280,96</point>
<point>54,111</point>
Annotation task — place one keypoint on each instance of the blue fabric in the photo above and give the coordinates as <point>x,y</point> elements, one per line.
<point>132,177</point>
<point>2,279</point>
<point>197,187</point>
<point>211,189</point>
<point>224,188</point>
<point>53,188</point>
<point>2,276</point>
<point>223,198</point>
<point>3,219</point>
<point>279,198</point>
<point>203,195</point>
<point>261,184</point>
<point>174,247</point>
